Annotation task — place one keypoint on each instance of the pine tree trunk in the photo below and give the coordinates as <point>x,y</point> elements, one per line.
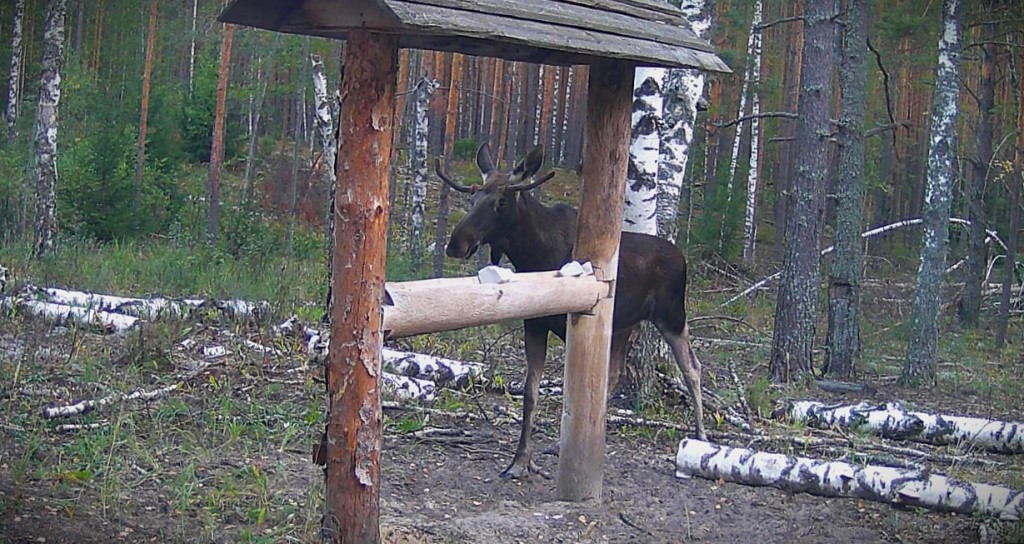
<point>1013,239</point>
<point>546,110</point>
<point>421,129</point>
<point>147,72</point>
<point>844,284</point>
<point>441,233</point>
<point>574,143</point>
<point>921,349</point>
<point>297,135</point>
<point>14,75</point>
<point>46,129</point>
<point>217,144</point>
<point>754,172</point>
<point>796,310</point>
<point>790,103</point>
<point>977,250</point>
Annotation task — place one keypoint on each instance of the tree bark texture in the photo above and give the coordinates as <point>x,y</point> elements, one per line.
<point>920,363</point>
<point>14,75</point>
<point>790,102</point>
<point>844,282</point>
<point>421,129</point>
<point>217,144</point>
<point>588,339</point>
<point>147,73</point>
<point>754,171</point>
<point>796,309</point>
<point>354,425</point>
<point>1013,239</point>
<point>840,479</point>
<point>455,84</point>
<point>324,119</point>
<point>977,250</point>
<point>46,128</point>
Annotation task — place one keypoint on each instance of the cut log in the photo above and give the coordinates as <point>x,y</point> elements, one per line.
<point>891,420</point>
<point>838,479</point>
<point>62,314</point>
<point>428,367</point>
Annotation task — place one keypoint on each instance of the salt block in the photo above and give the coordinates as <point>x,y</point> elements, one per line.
<point>495,274</point>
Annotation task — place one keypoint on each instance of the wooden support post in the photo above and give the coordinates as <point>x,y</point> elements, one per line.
<point>599,227</point>
<point>352,444</point>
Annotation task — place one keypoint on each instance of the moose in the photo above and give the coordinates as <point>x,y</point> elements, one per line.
<point>651,283</point>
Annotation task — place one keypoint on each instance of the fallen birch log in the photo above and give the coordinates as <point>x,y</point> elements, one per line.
<point>86,406</point>
<point>146,308</point>
<point>62,314</point>
<point>404,387</point>
<point>891,420</point>
<point>838,479</point>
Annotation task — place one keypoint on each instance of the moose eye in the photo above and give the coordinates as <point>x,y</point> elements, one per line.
<point>500,203</point>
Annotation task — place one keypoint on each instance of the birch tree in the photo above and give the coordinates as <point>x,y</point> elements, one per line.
<point>192,49</point>
<point>754,171</point>
<point>639,215</point>
<point>46,128</point>
<point>753,55</point>
<point>796,308</point>
<point>421,130</point>
<point>921,348</point>
<point>324,119</point>
<point>844,283</point>
<point>14,75</point>
<point>683,90</point>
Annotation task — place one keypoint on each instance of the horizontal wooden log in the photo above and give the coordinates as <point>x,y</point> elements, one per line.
<point>420,307</point>
<point>892,420</point>
<point>838,479</point>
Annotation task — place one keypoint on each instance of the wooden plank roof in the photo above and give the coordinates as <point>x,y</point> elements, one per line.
<point>648,32</point>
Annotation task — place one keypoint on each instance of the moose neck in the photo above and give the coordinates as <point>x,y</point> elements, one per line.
<point>542,238</point>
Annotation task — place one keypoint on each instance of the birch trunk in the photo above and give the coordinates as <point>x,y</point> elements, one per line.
<point>14,75</point>
<point>891,420</point>
<point>324,118</point>
<point>46,129</point>
<point>639,381</point>
<point>921,349</point>
<point>298,131</point>
<point>844,283</point>
<point>796,309</point>
<point>192,49</point>
<point>263,75</point>
<point>839,479</point>
<point>421,130</point>
<point>730,188</point>
<point>754,172</point>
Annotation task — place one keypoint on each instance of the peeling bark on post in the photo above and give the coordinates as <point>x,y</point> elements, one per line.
<point>588,340</point>
<point>353,436</point>
<point>924,324</point>
<point>46,129</point>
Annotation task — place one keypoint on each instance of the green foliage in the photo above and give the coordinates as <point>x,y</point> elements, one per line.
<point>13,185</point>
<point>465,149</point>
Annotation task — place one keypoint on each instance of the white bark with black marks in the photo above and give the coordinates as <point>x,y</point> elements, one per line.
<point>754,173</point>
<point>421,130</point>
<point>891,420</point>
<point>644,150</point>
<point>922,345</point>
<point>324,118</point>
<point>839,479</point>
<point>46,129</point>
<point>14,75</point>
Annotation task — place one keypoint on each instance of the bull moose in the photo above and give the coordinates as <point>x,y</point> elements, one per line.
<point>651,283</point>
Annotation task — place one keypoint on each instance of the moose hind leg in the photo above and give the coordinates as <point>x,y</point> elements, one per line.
<point>687,361</point>
<point>536,351</point>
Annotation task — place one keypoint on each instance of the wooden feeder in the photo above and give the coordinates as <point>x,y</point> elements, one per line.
<point>612,37</point>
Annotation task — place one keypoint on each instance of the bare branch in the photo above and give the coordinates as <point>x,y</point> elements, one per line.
<point>783,114</point>
<point>768,24</point>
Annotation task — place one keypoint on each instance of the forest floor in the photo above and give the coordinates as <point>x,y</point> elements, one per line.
<point>226,458</point>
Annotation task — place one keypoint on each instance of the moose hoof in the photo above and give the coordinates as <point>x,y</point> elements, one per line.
<point>516,471</point>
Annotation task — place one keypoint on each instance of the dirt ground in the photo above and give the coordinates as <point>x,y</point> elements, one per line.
<point>226,457</point>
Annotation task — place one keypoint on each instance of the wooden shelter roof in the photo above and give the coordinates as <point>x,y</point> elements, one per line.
<point>648,32</point>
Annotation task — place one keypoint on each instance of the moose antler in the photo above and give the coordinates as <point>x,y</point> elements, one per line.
<point>451,183</point>
<point>535,184</point>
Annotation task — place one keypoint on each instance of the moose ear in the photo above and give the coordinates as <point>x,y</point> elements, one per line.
<point>483,159</point>
<point>529,165</point>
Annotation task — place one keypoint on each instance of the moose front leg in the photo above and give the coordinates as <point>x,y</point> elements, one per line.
<point>536,350</point>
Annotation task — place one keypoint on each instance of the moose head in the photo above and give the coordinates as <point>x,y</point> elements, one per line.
<point>495,204</point>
